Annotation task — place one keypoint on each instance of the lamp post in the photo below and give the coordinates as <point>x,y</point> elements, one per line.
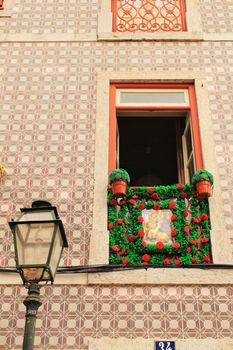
<point>39,240</point>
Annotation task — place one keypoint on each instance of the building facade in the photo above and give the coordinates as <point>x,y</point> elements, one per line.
<point>58,60</point>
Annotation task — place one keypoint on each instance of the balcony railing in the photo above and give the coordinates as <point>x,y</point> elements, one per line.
<point>164,225</point>
<point>148,15</point>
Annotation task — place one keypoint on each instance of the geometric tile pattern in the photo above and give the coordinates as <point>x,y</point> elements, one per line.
<point>47,128</point>
<point>52,16</point>
<point>71,314</point>
<point>217,16</point>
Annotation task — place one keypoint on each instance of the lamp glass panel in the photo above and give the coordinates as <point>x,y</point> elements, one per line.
<point>56,251</point>
<point>37,216</point>
<point>33,242</point>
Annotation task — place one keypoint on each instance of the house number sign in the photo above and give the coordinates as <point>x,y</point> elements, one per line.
<point>165,345</point>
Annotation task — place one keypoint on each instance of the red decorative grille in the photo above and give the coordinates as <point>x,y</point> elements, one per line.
<point>148,15</point>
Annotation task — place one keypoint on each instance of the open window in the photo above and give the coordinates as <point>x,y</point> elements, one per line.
<point>154,133</point>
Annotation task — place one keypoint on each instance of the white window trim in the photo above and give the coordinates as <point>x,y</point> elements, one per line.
<point>7,8</point>
<point>99,245</point>
<point>193,19</point>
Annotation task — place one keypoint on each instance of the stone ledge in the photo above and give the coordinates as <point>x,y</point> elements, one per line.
<point>148,344</point>
<point>138,277</point>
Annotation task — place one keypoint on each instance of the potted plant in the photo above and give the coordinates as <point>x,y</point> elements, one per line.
<point>203,181</point>
<point>119,179</point>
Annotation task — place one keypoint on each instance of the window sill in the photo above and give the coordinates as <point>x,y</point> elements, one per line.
<point>158,36</point>
<point>163,276</point>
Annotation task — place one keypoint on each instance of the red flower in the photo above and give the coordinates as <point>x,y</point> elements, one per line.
<point>186,230</point>
<point>177,262</point>
<point>183,195</point>
<point>122,252</point>
<point>159,245</point>
<point>206,258</point>
<point>144,244</point>
<point>189,250</point>
<point>141,206</point>
<point>132,238</point>
<point>166,261</point>
<point>110,225</point>
<point>157,207</point>
<point>176,245</point>
<point>179,186</point>
<point>140,219</point>
<point>134,187</point>
<point>205,239</point>
<point>194,260</point>
<point>196,220</point>
<point>115,248</point>
<point>193,242</point>
<point>155,196</point>
<point>134,196</point>
<point>204,217</point>
<point>146,257</point>
<point>113,202</point>
<point>140,233</point>
<point>132,201</point>
<point>150,190</point>
<point>120,221</point>
<point>173,233</point>
<point>171,205</point>
<point>125,261</point>
<point>185,214</point>
<point>122,202</point>
<point>173,217</point>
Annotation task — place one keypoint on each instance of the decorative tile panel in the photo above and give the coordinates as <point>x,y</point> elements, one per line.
<point>70,314</point>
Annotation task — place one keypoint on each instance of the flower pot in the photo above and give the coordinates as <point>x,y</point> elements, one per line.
<point>119,188</point>
<point>203,189</point>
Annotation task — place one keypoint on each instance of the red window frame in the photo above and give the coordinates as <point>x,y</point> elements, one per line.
<point>182,12</point>
<point>192,109</point>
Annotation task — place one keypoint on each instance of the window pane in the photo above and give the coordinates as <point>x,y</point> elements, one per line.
<point>189,142</point>
<point>191,168</point>
<point>152,97</point>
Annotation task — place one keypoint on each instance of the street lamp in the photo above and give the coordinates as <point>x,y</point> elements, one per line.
<point>39,239</point>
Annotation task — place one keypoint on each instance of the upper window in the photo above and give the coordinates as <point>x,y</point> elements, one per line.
<point>154,133</point>
<point>148,15</point>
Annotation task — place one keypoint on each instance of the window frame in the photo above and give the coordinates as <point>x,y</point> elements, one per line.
<point>182,13</point>
<point>193,26</point>
<point>187,107</point>
<point>99,240</point>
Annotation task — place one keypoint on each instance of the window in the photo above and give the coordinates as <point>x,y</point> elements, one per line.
<point>148,15</point>
<point>149,20</point>
<point>154,133</point>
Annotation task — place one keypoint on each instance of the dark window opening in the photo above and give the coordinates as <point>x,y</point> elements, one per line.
<point>150,149</point>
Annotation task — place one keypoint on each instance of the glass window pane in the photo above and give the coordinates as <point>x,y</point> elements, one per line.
<point>189,142</point>
<point>152,97</point>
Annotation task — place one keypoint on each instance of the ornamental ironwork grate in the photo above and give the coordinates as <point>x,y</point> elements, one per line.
<point>148,15</point>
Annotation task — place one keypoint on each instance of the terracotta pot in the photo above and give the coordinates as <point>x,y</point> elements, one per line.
<point>119,188</point>
<point>203,189</point>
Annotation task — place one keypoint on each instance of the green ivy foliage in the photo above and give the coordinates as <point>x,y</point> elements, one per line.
<point>190,227</point>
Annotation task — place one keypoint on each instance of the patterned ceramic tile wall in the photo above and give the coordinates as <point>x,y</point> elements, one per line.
<point>71,314</point>
<point>47,129</point>
<point>51,16</point>
<point>217,15</point>
<point>80,16</point>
